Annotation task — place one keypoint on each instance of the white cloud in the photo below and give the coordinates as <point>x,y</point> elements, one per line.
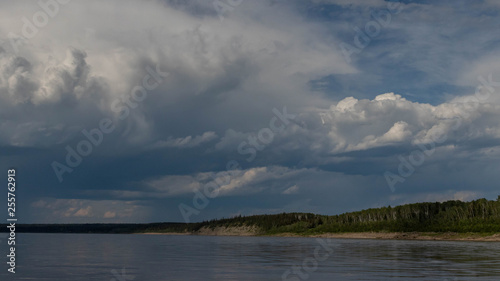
<point>186,142</point>
<point>81,210</point>
<point>173,185</point>
<point>225,79</point>
<point>291,190</point>
<point>236,182</point>
<point>23,82</point>
<point>109,215</point>
<point>389,119</point>
<point>69,76</point>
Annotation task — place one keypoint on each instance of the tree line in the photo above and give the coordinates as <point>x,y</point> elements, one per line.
<point>482,216</point>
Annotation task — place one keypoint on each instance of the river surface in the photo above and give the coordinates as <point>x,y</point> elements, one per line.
<point>116,257</point>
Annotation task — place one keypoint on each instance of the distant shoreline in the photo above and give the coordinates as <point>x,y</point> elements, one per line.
<point>478,220</point>
<point>425,236</point>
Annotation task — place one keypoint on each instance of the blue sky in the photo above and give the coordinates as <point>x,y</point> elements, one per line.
<point>170,92</point>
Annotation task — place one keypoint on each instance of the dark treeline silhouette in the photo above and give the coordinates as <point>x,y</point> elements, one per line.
<point>482,216</point>
<point>114,228</point>
<point>451,216</point>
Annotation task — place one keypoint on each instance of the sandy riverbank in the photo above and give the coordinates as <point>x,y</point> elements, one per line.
<point>217,231</point>
<point>252,231</point>
<point>414,236</point>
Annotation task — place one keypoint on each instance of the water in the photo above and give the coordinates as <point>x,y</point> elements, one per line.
<point>86,257</point>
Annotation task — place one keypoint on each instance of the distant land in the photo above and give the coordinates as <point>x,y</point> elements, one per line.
<point>478,220</point>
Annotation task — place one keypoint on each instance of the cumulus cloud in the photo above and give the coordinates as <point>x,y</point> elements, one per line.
<point>36,82</point>
<point>236,182</point>
<point>16,83</point>
<point>213,66</point>
<point>413,82</point>
<point>109,215</point>
<point>66,78</point>
<point>390,119</point>
<point>83,212</point>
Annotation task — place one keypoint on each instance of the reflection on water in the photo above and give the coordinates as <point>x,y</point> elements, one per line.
<point>158,257</point>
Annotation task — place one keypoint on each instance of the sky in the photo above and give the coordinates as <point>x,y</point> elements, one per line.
<point>151,111</point>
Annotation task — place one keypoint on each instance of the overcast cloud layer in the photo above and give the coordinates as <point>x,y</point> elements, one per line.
<point>326,106</point>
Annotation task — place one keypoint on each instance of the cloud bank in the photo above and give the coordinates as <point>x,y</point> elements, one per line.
<point>415,83</point>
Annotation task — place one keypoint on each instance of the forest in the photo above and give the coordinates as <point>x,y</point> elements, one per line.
<point>451,216</point>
